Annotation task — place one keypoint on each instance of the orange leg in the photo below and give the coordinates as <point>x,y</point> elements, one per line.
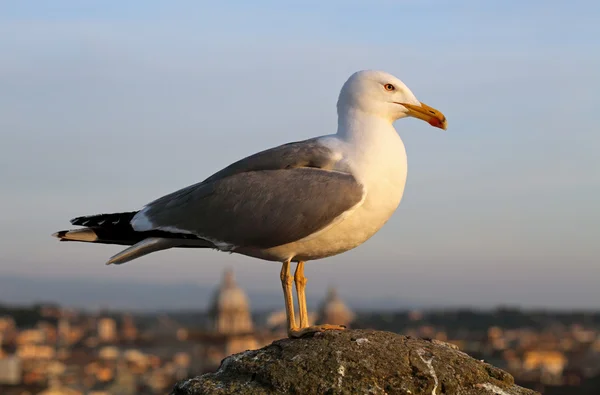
<point>304,329</point>
<point>301,280</point>
<point>287,284</point>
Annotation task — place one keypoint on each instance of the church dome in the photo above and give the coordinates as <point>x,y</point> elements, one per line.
<point>230,309</point>
<point>229,296</point>
<point>334,311</point>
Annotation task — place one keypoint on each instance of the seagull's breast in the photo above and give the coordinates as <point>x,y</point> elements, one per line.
<point>381,166</point>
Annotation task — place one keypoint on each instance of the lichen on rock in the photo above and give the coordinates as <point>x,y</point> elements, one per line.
<point>354,362</point>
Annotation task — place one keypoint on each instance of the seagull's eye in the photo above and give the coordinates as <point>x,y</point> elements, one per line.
<point>389,87</point>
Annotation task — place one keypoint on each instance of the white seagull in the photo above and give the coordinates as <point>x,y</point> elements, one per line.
<point>300,201</point>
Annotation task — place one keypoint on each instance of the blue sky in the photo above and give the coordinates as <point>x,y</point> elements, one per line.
<point>107,105</point>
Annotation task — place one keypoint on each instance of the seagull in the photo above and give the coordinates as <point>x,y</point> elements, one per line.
<point>297,202</point>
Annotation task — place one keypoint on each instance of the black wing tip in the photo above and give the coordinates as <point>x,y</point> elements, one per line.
<point>84,220</point>
<point>100,220</point>
<point>79,220</point>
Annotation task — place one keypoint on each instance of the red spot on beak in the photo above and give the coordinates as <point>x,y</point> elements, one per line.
<point>435,122</point>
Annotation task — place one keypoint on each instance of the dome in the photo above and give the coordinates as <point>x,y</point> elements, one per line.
<point>229,296</point>
<point>230,309</point>
<point>334,311</point>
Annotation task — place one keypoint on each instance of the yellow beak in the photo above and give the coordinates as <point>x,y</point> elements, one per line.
<point>427,114</point>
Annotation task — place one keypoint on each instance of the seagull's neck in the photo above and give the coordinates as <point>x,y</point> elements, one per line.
<point>375,153</point>
<point>368,131</point>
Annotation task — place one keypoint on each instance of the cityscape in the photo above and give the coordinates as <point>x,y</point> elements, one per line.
<point>50,350</point>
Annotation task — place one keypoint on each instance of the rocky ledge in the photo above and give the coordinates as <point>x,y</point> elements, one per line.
<point>354,362</point>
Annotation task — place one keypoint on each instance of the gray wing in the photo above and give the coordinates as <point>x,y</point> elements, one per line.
<point>307,153</point>
<point>268,199</point>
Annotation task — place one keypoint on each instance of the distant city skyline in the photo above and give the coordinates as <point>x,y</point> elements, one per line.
<point>105,106</point>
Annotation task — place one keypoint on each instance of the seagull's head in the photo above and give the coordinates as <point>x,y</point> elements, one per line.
<point>381,94</point>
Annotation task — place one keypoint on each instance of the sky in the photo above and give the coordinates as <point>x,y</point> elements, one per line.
<point>106,105</point>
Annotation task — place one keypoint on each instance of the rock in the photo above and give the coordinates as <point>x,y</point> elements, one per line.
<point>354,362</point>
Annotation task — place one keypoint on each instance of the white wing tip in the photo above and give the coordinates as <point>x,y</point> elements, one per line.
<point>85,234</point>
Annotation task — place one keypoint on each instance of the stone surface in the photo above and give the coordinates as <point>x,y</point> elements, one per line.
<point>354,362</point>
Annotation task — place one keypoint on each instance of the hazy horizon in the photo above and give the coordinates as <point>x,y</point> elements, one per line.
<point>105,106</point>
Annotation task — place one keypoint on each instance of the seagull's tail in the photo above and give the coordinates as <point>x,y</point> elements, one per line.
<point>116,229</point>
<point>103,228</point>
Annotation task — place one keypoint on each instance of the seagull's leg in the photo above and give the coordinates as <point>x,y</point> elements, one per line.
<point>300,281</point>
<point>301,290</point>
<point>286,283</point>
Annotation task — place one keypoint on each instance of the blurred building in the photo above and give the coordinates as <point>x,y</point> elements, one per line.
<point>107,330</point>
<point>334,311</point>
<point>10,370</point>
<point>63,332</point>
<point>8,328</point>
<point>549,365</point>
<point>230,309</point>
<point>230,330</point>
<point>129,331</point>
